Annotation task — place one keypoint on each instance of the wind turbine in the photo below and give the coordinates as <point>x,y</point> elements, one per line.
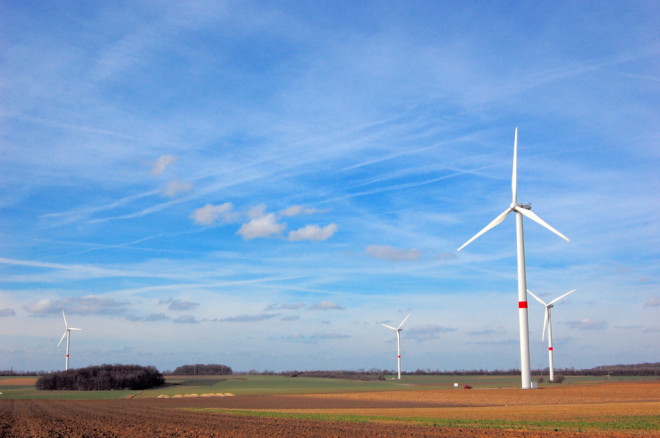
<point>547,322</point>
<point>67,331</point>
<point>520,210</point>
<point>398,342</point>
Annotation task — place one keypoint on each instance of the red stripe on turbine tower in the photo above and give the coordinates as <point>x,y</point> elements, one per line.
<point>399,357</point>
<point>522,304</point>
<point>550,348</point>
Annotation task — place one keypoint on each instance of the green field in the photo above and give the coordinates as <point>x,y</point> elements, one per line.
<point>12,388</point>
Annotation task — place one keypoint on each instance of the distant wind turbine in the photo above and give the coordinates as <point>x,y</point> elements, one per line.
<point>520,210</point>
<point>398,342</point>
<point>547,322</point>
<point>67,331</point>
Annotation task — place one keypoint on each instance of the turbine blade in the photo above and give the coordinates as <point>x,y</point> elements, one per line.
<point>388,326</point>
<point>71,328</point>
<point>557,299</point>
<point>514,176</point>
<point>61,339</point>
<point>493,224</point>
<point>537,298</point>
<point>533,216</point>
<point>404,320</point>
<point>545,322</point>
<point>64,316</point>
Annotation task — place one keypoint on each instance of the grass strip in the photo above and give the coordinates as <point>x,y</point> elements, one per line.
<point>623,423</point>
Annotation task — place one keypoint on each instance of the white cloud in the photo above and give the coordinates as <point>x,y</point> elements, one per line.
<point>248,318</point>
<point>654,301</point>
<point>313,232</point>
<point>209,214</point>
<point>292,306</point>
<point>387,252</point>
<point>186,319</point>
<point>177,187</point>
<point>316,337</point>
<point>296,210</point>
<point>427,332</point>
<point>88,305</point>
<point>7,312</point>
<point>587,324</point>
<point>178,305</point>
<point>161,164</point>
<point>326,305</point>
<point>261,225</point>
<point>153,317</point>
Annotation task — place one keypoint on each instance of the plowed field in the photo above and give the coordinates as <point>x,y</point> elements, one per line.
<point>621,409</point>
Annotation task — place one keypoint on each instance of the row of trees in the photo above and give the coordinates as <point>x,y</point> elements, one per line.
<point>103,377</point>
<point>645,369</point>
<point>642,369</point>
<point>21,373</point>
<point>202,370</point>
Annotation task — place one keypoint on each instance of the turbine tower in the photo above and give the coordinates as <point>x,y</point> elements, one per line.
<point>398,342</point>
<point>520,210</point>
<point>547,322</point>
<point>67,331</point>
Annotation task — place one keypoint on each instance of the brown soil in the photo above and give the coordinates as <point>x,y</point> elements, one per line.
<point>160,417</point>
<point>19,381</point>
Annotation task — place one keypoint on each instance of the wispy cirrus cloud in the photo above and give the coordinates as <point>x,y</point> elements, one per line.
<point>177,187</point>
<point>387,252</point>
<point>88,305</point>
<point>326,305</point>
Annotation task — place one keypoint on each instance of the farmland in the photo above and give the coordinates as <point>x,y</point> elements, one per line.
<point>285,406</point>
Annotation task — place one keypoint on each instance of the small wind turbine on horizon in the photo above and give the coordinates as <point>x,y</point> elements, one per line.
<point>520,210</point>
<point>67,331</point>
<point>398,342</point>
<point>547,322</point>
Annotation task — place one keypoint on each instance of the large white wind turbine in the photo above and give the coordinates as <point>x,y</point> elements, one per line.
<point>398,342</point>
<point>520,210</point>
<point>67,331</point>
<point>547,322</point>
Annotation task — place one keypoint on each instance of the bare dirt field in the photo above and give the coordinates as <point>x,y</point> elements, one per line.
<point>579,410</point>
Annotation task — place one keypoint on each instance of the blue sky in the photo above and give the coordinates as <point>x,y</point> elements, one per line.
<point>262,184</point>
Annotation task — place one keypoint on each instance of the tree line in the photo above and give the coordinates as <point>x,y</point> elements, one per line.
<point>102,377</point>
<point>202,370</point>
<point>645,369</point>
